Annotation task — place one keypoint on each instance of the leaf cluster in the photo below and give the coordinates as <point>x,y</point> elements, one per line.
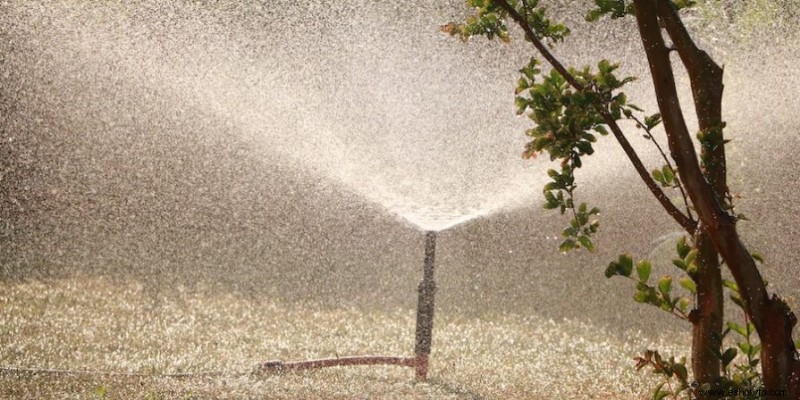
<point>658,294</point>
<point>613,8</point>
<point>581,228</point>
<point>740,362</point>
<point>745,375</point>
<point>620,8</point>
<point>570,108</point>
<point>670,369</point>
<point>567,122</point>
<point>489,20</point>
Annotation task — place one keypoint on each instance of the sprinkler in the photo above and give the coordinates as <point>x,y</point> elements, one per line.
<point>424,331</point>
<point>425,302</point>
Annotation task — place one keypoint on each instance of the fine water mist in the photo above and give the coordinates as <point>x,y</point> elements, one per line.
<point>402,115</point>
<point>284,140</point>
<point>189,188</point>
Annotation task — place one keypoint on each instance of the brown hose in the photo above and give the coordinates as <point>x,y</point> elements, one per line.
<point>279,366</point>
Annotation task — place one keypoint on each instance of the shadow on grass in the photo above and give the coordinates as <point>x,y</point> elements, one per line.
<point>450,388</point>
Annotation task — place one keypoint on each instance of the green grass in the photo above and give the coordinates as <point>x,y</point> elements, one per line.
<point>119,329</point>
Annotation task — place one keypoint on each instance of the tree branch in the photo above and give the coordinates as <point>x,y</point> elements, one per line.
<point>540,47</point>
<point>687,223</point>
<point>669,164</point>
<point>772,317</point>
<point>706,81</point>
<point>720,225</point>
<point>684,221</point>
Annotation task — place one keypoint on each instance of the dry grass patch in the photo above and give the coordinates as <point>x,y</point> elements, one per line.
<point>136,336</point>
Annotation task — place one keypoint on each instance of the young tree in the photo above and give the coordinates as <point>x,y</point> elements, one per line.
<point>571,106</point>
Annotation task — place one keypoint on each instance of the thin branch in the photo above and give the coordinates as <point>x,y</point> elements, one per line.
<point>691,55</point>
<point>720,225</point>
<point>523,23</point>
<point>526,8</point>
<point>666,160</point>
<point>687,223</point>
<point>707,87</point>
<point>772,317</point>
<point>675,312</point>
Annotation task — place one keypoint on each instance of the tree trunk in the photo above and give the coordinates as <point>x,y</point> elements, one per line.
<point>707,316</point>
<point>772,318</point>
<point>706,81</point>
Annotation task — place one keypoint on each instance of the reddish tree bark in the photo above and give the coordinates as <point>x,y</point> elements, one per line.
<point>715,235</point>
<point>771,316</point>
<point>707,87</point>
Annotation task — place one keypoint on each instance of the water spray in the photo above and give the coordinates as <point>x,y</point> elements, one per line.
<point>424,331</point>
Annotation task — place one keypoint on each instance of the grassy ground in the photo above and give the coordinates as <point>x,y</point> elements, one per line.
<point>136,338</point>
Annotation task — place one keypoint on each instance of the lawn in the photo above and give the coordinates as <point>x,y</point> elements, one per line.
<point>91,337</point>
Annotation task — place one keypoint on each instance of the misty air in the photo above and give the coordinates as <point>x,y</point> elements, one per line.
<point>399,200</point>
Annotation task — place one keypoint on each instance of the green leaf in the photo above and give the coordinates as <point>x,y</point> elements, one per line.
<point>680,4</point>
<point>604,66</point>
<point>728,356</point>
<point>626,263</point>
<point>634,106</point>
<point>641,296</point>
<point>522,105</point>
<point>669,175</point>
<point>643,269</point>
<point>584,147</point>
<point>665,284</point>
<point>730,285</point>
<point>616,8</point>
<point>586,242</point>
<point>681,371</point>
<point>757,256</point>
<point>623,266</point>
<point>567,245</point>
<point>657,392</point>
<point>688,284</point>
<point>660,394</point>
<point>737,328</point>
<point>691,269</point>
<point>746,348</point>
<point>657,175</point>
<point>691,256</point>
<point>593,15</point>
<point>683,304</point>
<point>652,121</point>
<point>611,270</point>
<point>627,112</point>
<point>682,248</point>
